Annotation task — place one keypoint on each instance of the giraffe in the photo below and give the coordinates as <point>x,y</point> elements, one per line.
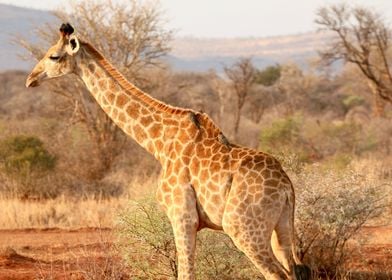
<point>206,181</point>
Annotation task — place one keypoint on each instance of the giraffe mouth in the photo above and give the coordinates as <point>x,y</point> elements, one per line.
<point>33,80</point>
<point>32,83</point>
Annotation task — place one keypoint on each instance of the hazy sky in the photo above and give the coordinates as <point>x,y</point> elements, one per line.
<point>237,18</point>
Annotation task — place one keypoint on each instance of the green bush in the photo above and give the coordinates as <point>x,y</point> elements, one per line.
<point>269,75</point>
<point>352,101</point>
<point>281,132</point>
<point>284,137</point>
<point>151,254</point>
<point>22,155</point>
<point>27,165</point>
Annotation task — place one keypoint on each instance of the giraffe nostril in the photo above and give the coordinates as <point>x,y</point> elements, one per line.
<point>35,78</point>
<point>34,84</point>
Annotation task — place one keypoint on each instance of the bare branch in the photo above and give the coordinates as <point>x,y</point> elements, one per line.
<point>363,39</point>
<point>242,77</point>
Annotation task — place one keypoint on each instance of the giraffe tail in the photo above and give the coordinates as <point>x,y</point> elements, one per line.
<point>301,271</point>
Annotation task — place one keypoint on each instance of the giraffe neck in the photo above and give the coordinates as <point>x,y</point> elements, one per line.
<point>148,121</point>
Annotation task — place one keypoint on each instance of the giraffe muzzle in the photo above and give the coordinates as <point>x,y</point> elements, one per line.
<point>34,80</point>
<point>31,83</point>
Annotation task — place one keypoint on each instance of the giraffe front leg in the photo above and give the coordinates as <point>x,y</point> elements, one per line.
<point>182,213</point>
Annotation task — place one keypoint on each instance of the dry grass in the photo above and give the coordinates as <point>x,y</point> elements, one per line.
<point>60,212</point>
<point>66,212</point>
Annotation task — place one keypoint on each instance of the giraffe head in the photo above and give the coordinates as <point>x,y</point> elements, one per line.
<point>59,60</point>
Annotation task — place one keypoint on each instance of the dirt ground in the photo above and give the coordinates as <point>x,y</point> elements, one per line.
<point>55,253</point>
<point>71,254</point>
<point>373,252</point>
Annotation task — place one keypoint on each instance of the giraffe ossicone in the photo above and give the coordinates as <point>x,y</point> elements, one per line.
<point>206,181</point>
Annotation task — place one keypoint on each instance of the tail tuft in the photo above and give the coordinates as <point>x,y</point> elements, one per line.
<point>302,272</point>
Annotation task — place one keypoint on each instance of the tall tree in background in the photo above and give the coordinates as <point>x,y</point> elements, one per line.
<point>364,39</point>
<point>131,35</point>
<point>220,88</point>
<point>296,86</point>
<point>242,77</point>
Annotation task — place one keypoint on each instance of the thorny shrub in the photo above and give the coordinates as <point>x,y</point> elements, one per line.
<point>331,209</point>
<point>107,266</point>
<point>152,254</point>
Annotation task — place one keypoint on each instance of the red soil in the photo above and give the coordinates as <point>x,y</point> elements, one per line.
<point>374,251</point>
<point>68,254</point>
<point>54,253</point>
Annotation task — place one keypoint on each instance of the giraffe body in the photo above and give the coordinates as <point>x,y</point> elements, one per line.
<point>205,181</point>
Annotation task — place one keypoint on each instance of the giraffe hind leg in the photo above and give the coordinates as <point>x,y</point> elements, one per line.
<point>260,253</point>
<point>252,235</point>
<point>283,245</point>
<point>282,242</point>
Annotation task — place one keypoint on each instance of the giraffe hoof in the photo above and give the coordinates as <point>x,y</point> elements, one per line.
<point>302,272</point>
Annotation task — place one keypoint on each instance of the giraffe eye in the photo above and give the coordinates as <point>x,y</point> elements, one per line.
<point>54,57</point>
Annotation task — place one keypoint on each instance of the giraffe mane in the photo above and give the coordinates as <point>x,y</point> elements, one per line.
<point>129,87</point>
<point>206,120</point>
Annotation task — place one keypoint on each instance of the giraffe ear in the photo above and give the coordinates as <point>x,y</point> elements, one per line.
<point>66,29</point>
<point>73,45</point>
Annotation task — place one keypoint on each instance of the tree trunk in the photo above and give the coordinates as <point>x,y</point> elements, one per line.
<point>221,106</point>
<point>379,106</point>
<point>378,102</point>
<point>221,113</point>
<point>237,123</point>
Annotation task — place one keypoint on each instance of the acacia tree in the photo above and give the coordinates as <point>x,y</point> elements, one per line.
<point>242,77</point>
<point>269,75</point>
<point>132,36</point>
<point>363,39</point>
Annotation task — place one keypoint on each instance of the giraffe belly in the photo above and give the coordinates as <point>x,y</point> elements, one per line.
<point>211,200</point>
<point>205,220</point>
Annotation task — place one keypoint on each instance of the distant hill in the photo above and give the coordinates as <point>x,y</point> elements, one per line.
<point>190,54</point>
<point>201,53</point>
